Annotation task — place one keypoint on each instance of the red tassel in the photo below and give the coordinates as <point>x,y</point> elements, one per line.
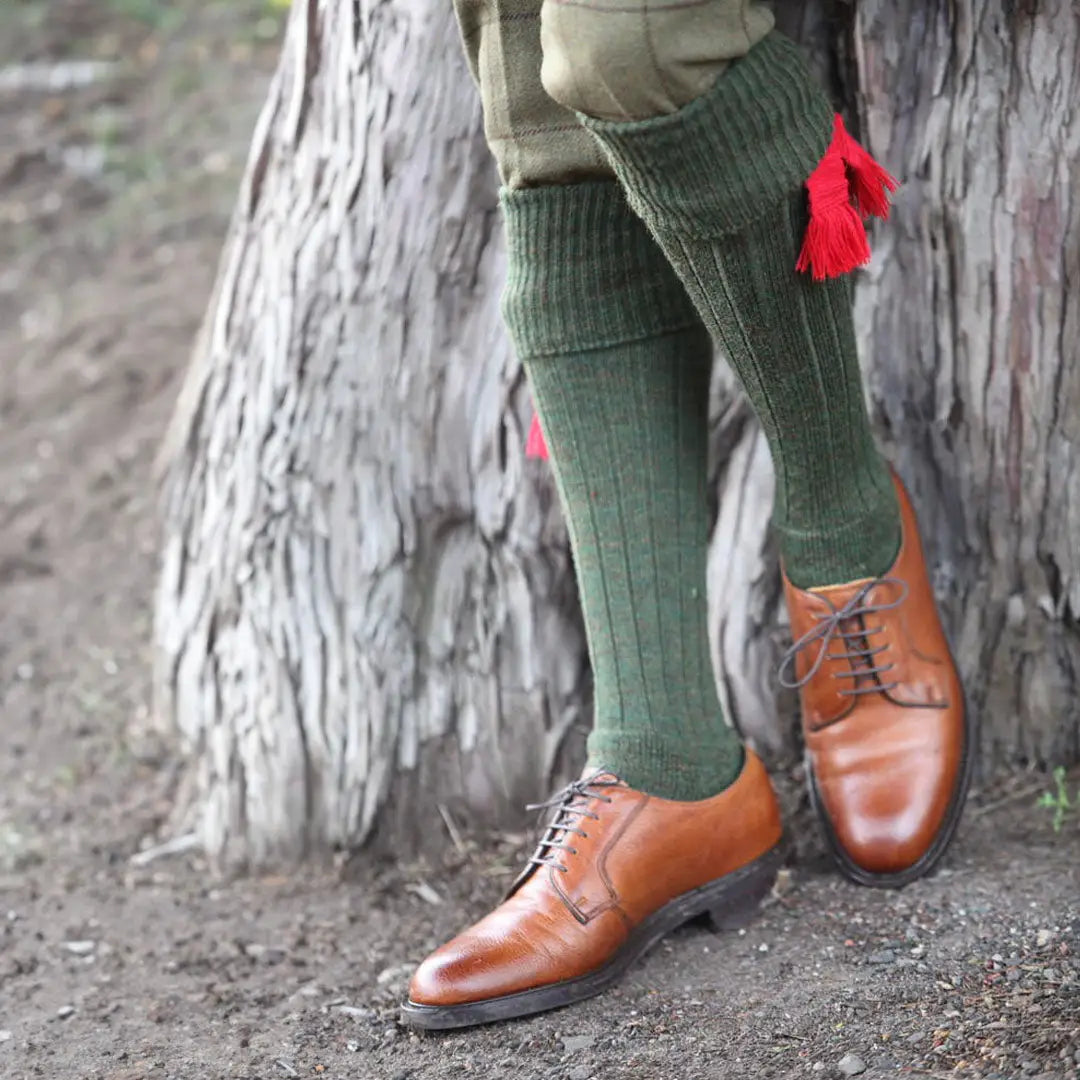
<point>871,185</point>
<point>536,444</point>
<point>846,181</point>
<point>835,240</point>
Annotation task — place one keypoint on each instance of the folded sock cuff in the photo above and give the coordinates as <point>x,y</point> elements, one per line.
<point>583,272</point>
<point>730,156</point>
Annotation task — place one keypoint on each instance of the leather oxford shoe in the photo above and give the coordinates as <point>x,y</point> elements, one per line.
<point>888,742</point>
<point>615,871</point>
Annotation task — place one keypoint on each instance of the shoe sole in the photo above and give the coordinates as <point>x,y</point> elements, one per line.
<point>730,903</point>
<point>929,860</point>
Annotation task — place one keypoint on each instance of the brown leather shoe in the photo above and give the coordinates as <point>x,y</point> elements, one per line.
<point>888,743</point>
<point>615,871</point>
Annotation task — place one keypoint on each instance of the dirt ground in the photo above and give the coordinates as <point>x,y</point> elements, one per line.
<point>114,197</point>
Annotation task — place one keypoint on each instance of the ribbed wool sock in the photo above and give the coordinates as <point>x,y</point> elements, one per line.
<point>619,366</point>
<point>720,185</point>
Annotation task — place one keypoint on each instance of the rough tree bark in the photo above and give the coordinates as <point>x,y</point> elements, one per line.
<point>366,623</point>
<point>366,611</point>
<point>971,315</point>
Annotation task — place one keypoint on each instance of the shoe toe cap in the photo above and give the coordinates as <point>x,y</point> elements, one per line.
<point>883,842</point>
<point>887,816</point>
<point>474,967</point>
<point>438,980</point>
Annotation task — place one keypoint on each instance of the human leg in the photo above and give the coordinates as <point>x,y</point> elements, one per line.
<point>673,818</point>
<point>719,181</point>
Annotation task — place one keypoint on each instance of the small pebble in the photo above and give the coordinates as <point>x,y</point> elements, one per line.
<point>851,1065</point>
<point>784,883</point>
<point>573,1043</point>
<point>882,956</point>
<point>265,954</point>
<point>5,1036</point>
<point>579,1072</point>
<point>352,1047</point>
<point>65,1011</point>
<point>354,1011</point>
<point>80,948</point>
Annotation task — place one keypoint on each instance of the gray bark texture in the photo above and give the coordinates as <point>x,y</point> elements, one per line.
<point>367,630</point>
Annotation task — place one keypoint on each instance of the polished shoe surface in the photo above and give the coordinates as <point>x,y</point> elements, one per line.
<point>615,871</point>
<point>888,742</point>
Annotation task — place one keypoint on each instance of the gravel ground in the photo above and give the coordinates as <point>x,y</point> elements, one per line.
<point>110,970</point>
<point>113,201</point>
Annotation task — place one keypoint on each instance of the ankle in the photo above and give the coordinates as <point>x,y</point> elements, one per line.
<point>863,547</point>
<point>668,768</point>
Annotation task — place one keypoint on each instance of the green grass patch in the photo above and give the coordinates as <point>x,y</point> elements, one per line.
<point>1058,801</point>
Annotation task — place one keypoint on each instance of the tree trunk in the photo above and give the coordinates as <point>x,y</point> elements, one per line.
<point>970,319</point>
<point>366,623</point>
<point>366,617</point>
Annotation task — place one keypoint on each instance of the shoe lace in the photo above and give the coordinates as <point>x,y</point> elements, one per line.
<point>571,806</point>
<point>848,624</point>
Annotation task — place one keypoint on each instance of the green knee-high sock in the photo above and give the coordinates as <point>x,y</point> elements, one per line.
<point>720,185</point>
<point>619,365</point>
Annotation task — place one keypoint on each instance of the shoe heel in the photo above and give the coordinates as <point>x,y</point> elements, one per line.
<point>740,905</point>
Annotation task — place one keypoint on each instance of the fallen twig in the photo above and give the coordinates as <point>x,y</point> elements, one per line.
<point>451,828</point>
<point>1014,796</point>
<point>176,846</point>
<point>425,892</point>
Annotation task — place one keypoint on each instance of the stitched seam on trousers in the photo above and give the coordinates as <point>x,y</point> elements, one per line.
<point>496,20</point>
<point>647,33</point>
<point>630,9</point>
<point>513,133</point>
